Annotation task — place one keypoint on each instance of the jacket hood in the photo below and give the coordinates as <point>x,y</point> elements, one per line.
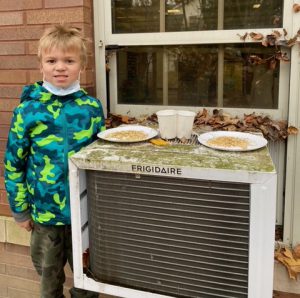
<point>38,93</point>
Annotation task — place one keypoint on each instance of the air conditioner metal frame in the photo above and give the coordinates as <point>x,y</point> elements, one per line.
<point>262,209</point>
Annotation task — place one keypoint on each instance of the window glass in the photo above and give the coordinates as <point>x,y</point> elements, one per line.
<point>253,14</point>
<point>189,76</point>
<point>193,74</point>
<point>140,75</point>
<point>248,84</point>
<point>136,16</point>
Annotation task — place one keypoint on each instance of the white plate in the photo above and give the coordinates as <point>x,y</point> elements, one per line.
<point>254,141</point>
<point>149,132</point>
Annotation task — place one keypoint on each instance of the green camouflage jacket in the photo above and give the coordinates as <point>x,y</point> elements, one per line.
<point>47,129</point>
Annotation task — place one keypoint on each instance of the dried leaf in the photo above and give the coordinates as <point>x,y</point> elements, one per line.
<point>271,39</point>
<point>276,33</point>
<point>265,43</point>
<point>276,20</point>
<point>114,120</point>
<point>286,257</point>
<point>255,60</point>
<point>284,32</point>
<point>292,41</point>
<point>288,253</point>
<point>265,130</point>
<point>125,119</point>
<point>256,36</point>
<point>282,56</point>
<point>152,118</point>
<point>243,37</point>
<point>231,128</point>
<point>217,112</point>
<point>276,126</point>
<point>273,64</point>
<point>296,251</point>
<point>219,120</point>
<point>291,130</point>
<point>296,7</point>
<point>249,117</point>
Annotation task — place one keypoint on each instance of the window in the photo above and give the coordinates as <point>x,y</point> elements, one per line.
<point>135,16</point>
<point>188,53</point>
<point>191,73</point>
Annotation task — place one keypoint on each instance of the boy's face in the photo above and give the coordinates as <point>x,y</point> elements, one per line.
<point>60,68</point>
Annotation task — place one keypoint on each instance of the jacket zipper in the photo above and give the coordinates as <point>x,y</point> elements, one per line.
<point>66,147</point>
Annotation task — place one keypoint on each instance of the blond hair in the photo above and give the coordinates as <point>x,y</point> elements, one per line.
<point>63,37</point>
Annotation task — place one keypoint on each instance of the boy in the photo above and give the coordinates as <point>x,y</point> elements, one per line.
<point>55,119</point>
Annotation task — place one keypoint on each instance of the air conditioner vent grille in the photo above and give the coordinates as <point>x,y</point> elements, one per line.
<point>176,236</point>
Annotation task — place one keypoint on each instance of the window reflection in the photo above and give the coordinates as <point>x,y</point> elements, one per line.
<point>140,75</point>
<point>248,85</point>
<point>191,15</point>
<point>192,75</point>
<point>136,16</point>
<point>253,14</point>
<point>189,76</point>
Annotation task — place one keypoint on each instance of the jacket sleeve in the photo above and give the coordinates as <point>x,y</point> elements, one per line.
<point>15,159</point>
<point>101,124</point>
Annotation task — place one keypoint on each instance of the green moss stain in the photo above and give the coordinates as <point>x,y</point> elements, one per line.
<point>192,156</point>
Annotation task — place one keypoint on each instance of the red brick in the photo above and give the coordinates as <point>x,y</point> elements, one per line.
<point>5,210</point>
<point>34,76</point>
<point>90,90</point>
<point>10,92</point>
<point>17,293</point>
<point>55,16</point>
<point>19,62</point>
<point>22,284</point>
<point>4,132</point>
<point>12,77</point>
<point>87,77</point>
<point>11,18</point>
<point>12,48</point>
<point>21,33</point>
<point>13,258</point>
<point>3,197</point>
<point>90,62</point>
<point>32,47</point>
<point>7,105</point>
<point>66,3</point>
<point>2,183</point>
<point>3,287</point>
<point>17,249</point>
<point>5,118</point>
<point>18,271</point>
<point>14,5</point>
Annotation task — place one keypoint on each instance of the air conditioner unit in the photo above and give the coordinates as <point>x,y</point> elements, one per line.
<point>173,221</point>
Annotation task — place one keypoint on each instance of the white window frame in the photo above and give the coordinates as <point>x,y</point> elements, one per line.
<point>190,37</point>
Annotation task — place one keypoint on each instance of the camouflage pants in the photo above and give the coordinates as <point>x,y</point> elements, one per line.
<point>51,248</point>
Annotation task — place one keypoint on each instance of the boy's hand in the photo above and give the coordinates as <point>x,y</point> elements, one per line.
<point>27,225</point>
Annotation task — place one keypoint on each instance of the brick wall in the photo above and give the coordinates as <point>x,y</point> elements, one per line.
<point>21,24</point>
<point>18,277</point>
